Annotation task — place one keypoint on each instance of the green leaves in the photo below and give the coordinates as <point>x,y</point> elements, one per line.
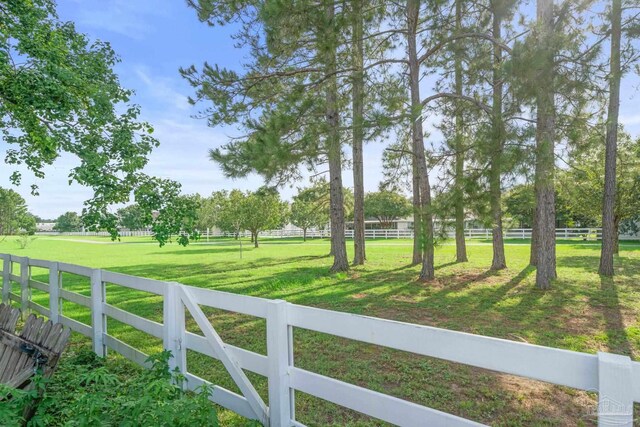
<point>386,206</point>
<point>68,222</point>
<point>59,94</point>
<point>263,210</point>
<point>86,392</point>
<point>167,211</point>
<point>306,214</point>
<point>14,215</point>
<point>131,217</point>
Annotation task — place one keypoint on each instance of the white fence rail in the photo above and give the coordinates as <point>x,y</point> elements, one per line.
<point>471,233</point>
<point>615,378</point>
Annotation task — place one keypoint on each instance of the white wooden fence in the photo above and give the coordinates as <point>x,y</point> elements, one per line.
<point>471,233</point>
<point>616,378</point>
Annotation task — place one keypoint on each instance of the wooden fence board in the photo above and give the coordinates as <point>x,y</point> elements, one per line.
<point>75,297</point>
<point>378,405</point>
<point>76,326</point>
<point>223,397</point>
<point>145,325</point>
<point>248,360</point>
<point>140,283</point>
<point>563,367</point>
<point>610,374</point>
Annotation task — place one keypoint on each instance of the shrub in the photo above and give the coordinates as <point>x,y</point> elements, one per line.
<point>84,392</point>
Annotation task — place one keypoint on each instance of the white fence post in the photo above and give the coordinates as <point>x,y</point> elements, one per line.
<point>174,328</point>
<point>98,319</point>
<point>54,292</point>
<point>24,286</point>
<point>6,278</point>
<point>615,390</point>
<point>278,353</point>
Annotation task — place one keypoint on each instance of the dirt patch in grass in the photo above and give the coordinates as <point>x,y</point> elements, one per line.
<point>359,295</point>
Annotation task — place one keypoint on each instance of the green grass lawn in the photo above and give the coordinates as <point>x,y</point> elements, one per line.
<point>582,312</point>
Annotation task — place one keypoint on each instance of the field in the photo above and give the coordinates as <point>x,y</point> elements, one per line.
<point>582,312</point>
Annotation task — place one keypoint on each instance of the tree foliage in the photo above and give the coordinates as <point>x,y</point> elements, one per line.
<point>131,217</point>
<point>14,216</point>
<point>210,211</point>
<point>68,222</point>
<point>59,94</point>
<point>582,184</point>
<point>307,211</point>
<point>263,210</point>
<point>386,207</point>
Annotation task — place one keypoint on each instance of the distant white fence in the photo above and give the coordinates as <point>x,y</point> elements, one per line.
<point>616,378</point>
<point>471,233</point>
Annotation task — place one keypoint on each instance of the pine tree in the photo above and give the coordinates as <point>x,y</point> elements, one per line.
<point>609,197</point>
<point>458,185</point>
<point>357,99</point>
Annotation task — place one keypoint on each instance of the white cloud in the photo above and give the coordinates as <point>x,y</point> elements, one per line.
<point>161,89</point>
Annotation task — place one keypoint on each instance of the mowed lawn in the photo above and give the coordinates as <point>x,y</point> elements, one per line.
<point>582,312</point>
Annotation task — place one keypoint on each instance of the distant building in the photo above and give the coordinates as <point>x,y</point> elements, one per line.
<point>44,226</point>
<point>407,224</point>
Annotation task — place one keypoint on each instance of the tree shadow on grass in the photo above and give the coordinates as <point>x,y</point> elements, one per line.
<point>209,249</point>
<point>445,265</point>
<point>499,293</point>
<point>176,271</point>
<point>608,302</point>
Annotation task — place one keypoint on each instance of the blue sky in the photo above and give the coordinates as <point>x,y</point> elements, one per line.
<point>154,38</point>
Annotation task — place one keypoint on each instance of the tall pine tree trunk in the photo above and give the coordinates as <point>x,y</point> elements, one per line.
<point>616,235</point>
<point>545,141</point>
<point>417,223</point>
<point>533,256</point>
<point>426,229</point>
<point>609,229</point>
<point>358,135</point>
<point>495,192</point>
<point>334,152</point>
<point>461,248</point>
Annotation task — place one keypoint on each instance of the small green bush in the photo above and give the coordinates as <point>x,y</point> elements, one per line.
<point>84,392</point>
